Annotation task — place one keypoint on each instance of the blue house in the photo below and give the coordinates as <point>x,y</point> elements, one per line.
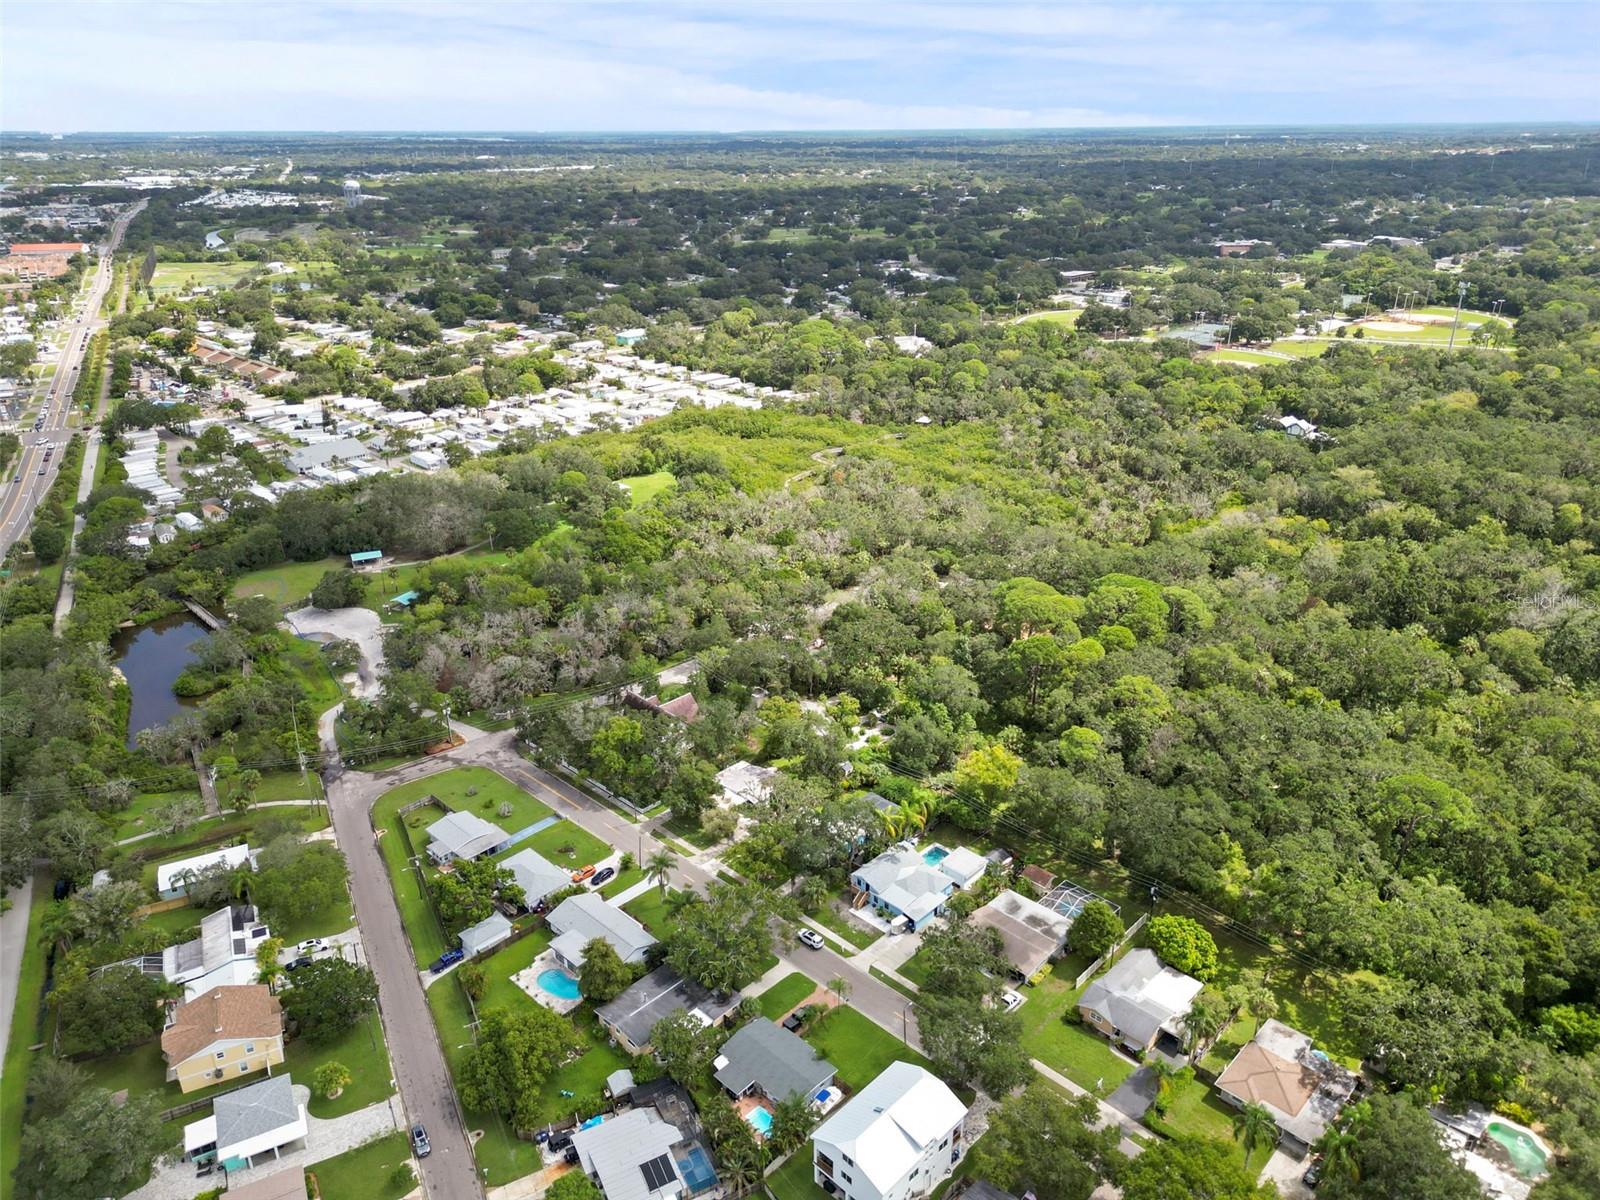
<point>911,885</point>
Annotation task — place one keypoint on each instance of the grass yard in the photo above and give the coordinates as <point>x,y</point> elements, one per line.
<point>623,881</point>
<point>215,832</point>
<point>173,277</point>
<point>690,832</point>
<point>289,785</point>
<point>650,910</point>
<point>565,845</point>
<point>179,924</point>
<point>363,1053</point>
<point>1067,317</point>
<point>857,1047</point>
<point>27,1030</point>
<point>796,1180</point>
<point>288,584</point>
<point>489,791</point>
<point>854,932</point>
<point>368,1172</point>
<point>1194,1110</point>
<point>133,820</point>
<point>645,488</point>
<point>1083,1057</point>
<point>416,913</point>
<point>1249,358</point>
<point>1301,348</point>
<point>305,661</point>
<point>778,999</point>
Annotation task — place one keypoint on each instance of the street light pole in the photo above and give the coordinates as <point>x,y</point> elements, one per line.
<point>1461,295</point>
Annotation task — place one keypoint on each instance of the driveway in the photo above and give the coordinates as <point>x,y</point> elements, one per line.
<point>359,625</point>
<point>1135,1094</point>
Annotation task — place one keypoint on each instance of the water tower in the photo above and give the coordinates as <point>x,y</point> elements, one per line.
<point>352,194</point>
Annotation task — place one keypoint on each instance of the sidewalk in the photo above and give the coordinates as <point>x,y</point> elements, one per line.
<point>1108,1116</point>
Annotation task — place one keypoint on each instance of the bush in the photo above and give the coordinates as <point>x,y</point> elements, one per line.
<point>1184,945</point>
<point>403,1178</point>
<point>1096,929</point>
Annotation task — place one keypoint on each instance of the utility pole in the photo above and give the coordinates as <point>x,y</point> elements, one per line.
<point>1461,295</point>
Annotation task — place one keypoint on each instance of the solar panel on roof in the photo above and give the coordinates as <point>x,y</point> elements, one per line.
<point>658,1172</point>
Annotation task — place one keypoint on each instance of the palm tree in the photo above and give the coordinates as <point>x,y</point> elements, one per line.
<point>658,866</point>
<point>1338,1149</point>
<point>1163,1072</point>
<point>1253,1126</point>
<point>1206,1018</point>
<point>741,1165</point>
<point>792,1121</point>
<point>840,987</point>
<point>60,926</point>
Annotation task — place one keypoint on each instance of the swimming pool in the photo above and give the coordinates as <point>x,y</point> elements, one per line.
<point>559,984</point>
<point>760,1120</point>
<point>1527,1156</point>
<point>934,855</point>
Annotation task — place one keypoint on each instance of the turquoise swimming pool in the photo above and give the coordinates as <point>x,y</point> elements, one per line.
<point>760,1120</point>
<point>1527,1156</point>
<point>559,984</point>
<point>934,855</point>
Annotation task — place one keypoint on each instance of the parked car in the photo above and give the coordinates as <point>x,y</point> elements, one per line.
<point>582,873</point>
<point>793,1022</point>
<point>1313,1175</point>
<point>311,946</point>
<point>1010,1000</point>
<point>448,959</point>
<point>602,875</point>
<point>810,937</point>
<point>295,964</point>
<point>419,1141</point>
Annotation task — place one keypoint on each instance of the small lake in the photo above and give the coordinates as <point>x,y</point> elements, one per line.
<point>152,657</point>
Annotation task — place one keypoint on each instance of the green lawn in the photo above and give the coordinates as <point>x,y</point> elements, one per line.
<point>1253,358</point>
<point>1067,317</point>
<point>796,1180</point>
<point>623,881</point>
<point>778,999</point>
<point>27,1030</point>
<point>363,1053</point>
<point>287,584</point>
<point>178,924</point>
<point>650,910</point>
<point>645,488</point>
<point>857,1048</point>
<point>131,821</point>
<point>915,968</point>
<point>488,791</point>
<point>214,832</point>
<point>306,663</point>
<point>289,785</point>
<point>1081,1055</point>
<point>565,845</point>
<point>403,577</point>
<point>1301,349</point>
<point>172,277</point>
<point>367,1172</point>
<point>852,931</point>
<point>1194,1110</point>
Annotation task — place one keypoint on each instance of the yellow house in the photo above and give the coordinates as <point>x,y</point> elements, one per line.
<point>223,1034</point>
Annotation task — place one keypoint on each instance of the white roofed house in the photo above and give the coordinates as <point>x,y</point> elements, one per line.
<point>222,956</point>
<point>897,1138</point>
<point>1140,1002</point>
<point>462,835</point>
<point>173,878</point>
<point>630,1156</point>
<point>536,876</point>
<point>742,782</point>
<point>578,920</point>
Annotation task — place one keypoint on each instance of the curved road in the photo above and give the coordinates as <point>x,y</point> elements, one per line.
<point>32,478</point>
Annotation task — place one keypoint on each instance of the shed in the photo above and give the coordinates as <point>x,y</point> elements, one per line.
<point>360,557</point>
<point>485,935</point>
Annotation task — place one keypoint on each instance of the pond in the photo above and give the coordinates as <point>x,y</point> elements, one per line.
<point>152,657</point>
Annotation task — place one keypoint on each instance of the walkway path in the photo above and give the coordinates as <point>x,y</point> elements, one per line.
<point>1108,1116</point>
<point>13,941</point>
<point>324,1139</point>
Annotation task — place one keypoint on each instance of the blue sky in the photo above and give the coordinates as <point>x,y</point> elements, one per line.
<point>69,65</point>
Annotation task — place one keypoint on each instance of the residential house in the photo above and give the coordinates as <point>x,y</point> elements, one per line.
<point>288,1184</point>
<point>462,835</point>
<point>485,935</point>
<point>578,920</point>
<point>630,1156</point>
<point>911,886</point>
<point>1298,427</point>
<point>536,876</point>
<point>742,782</point>
<point>1031,933</point>
<point>1140,1002</point>
<point>896,1139</point>
<point>766,1059</point>
<point>1300,1086</point>
<point>173,878</point>
<point>224,955</point>
<point>227,1032</point>
<point>631,1017</point>
<point>263,1118</point>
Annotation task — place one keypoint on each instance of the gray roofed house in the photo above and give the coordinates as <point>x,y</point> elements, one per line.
<point>632,1016</point>
<point>630,1156</point>
<point>253,1120</point>
<point>320,454</point>
<point>578,920</point>
<point>1032,933</point>
<point>535,875</point>
<point>487,933</point>
<point>768,1058</point>
<point>1138,999</point>
<point>224,954</point>
<point>462,835</point>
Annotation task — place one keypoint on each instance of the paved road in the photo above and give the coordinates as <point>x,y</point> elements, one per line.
<point>22,497</point>
<point>426,1093</point>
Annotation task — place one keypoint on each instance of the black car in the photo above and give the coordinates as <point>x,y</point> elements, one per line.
<point>1313,1175</point>
<point>793,1022</point>
<point>600,876</point>
<point>419,1141</point>
<point>295,964</point>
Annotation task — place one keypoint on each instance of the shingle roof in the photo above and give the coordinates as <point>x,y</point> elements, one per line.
<point>224,1013</point>
<point>535,875</point>
<point>490,931</point>
<point>288,1184</point>
<point>254,1110</point>
<point>661,993</point>
<point>1139,995</point>
<point>1031,932</point>
<point>589,916</point>
<point>768,1056</point>
<point>463,834</point>
<point>616,1151</point>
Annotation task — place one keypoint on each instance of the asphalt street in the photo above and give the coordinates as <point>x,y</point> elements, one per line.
<point>33,475</point>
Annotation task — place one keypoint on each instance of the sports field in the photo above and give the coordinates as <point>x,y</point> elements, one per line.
<point>173,277</point>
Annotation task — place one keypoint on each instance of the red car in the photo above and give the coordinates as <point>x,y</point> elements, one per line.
<point>582,873</point>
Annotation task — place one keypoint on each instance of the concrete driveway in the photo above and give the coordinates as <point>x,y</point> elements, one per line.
<point>359,625</point>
